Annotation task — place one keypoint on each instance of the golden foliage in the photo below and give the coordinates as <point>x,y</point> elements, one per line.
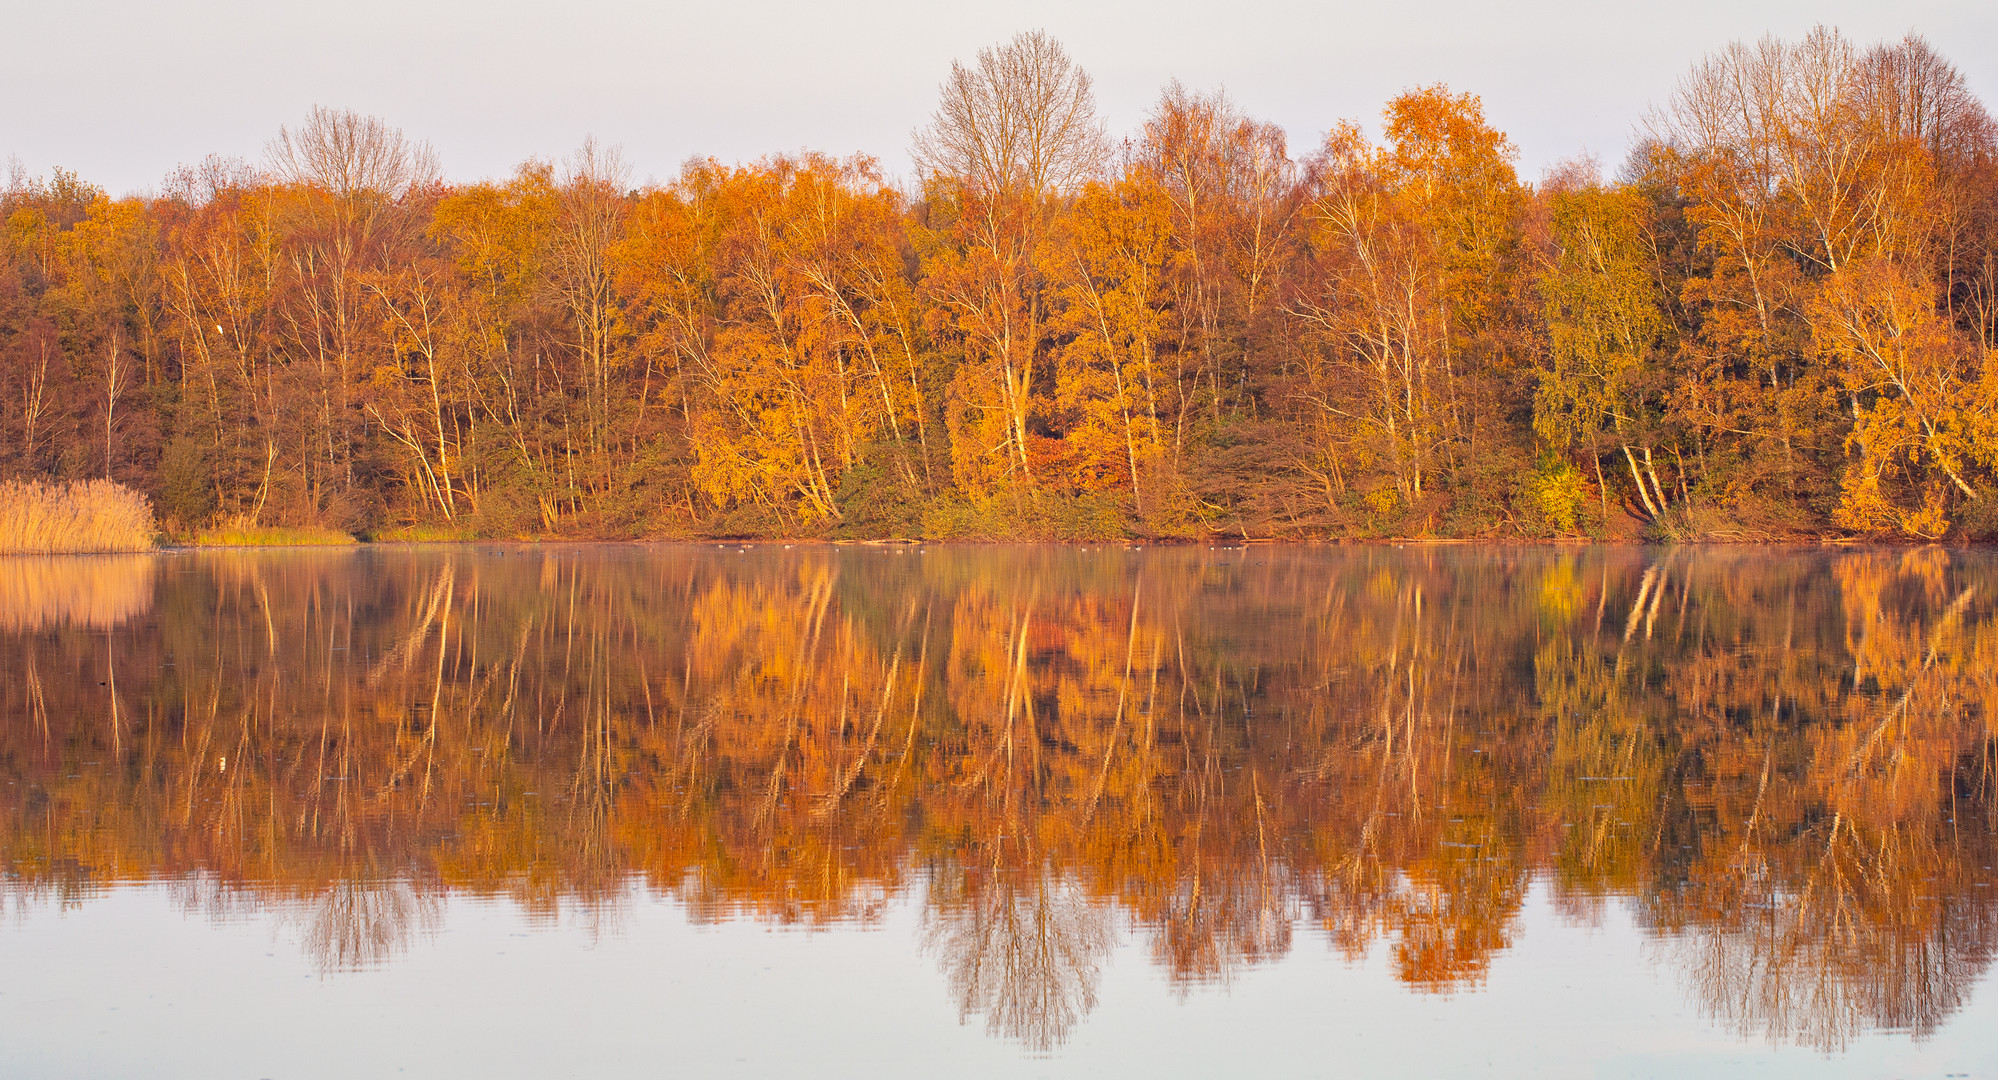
<point>1776,321</point>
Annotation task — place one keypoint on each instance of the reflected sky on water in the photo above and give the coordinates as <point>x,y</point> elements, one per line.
<point>641,810</point>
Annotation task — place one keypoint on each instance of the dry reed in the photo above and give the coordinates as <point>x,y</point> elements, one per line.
<point>40,592</point>
<point>86,516</point>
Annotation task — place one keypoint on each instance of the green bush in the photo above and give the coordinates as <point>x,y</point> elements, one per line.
<point>187,486</point>
<point>1561,493</point>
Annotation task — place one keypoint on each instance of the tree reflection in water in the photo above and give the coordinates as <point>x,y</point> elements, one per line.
<point>1024,951</point>
<point>348,925</point>
<point>1780,762</point>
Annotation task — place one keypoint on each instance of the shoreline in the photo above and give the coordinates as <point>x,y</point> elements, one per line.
<point>1084,545</point>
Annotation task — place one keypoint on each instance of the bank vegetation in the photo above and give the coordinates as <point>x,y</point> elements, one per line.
<point>1774,319</point>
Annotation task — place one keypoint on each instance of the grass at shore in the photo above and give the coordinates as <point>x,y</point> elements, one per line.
<point>270,536</point>
<point>424,534</point>
<point>84,517</point>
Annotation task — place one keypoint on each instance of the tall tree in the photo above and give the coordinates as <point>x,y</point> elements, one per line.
<point>1012,139</point>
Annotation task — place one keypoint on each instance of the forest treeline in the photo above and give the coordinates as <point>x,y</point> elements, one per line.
<point>1776,318</point>
<point>1784,770</point>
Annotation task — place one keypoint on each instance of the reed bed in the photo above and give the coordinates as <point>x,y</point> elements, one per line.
<point>271,536</point>
<point>41,592</point>
<point>84,517</point>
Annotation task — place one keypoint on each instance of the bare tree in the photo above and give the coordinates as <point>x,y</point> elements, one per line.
<point>117,377</point>
<point>34,402</point>
<point>1810,140</point>
<point>347,154</point>
<point>1909,91</point>
<point>1023,120</point>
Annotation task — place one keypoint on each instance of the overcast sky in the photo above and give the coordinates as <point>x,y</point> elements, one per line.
<point>124,90</point>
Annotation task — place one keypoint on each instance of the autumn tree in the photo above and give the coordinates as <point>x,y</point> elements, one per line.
<point>1826,183</point>
<point>1418,257</point>
<point>348,189</point>
<point>1012,139</point>
<point>1604,324</point>
<point>776,288</point>
<point>1229,186</point>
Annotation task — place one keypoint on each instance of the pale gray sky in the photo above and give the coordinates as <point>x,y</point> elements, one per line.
<point>123,90</point>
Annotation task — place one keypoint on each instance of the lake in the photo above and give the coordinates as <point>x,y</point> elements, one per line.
<point>999,811</point>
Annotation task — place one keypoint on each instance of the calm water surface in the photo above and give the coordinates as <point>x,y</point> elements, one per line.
<point>698,810</point>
